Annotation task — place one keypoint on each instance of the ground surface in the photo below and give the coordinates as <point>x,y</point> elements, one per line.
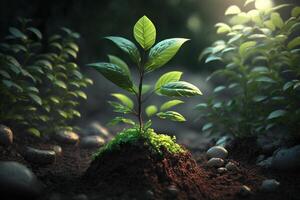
<point>64,179</point>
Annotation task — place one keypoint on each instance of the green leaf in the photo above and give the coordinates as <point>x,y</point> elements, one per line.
<point>145,32</point>
<point>212,58</point>
<point>10,84</point>
<point>232,10</point>
<point>245,46</point>
<point>295,12</point>
<point>179,88</point>
<point>171,115</point>
<point>17,33</point>
<point>269,24</point>
<point>60,84</point>
<point>201,106</point>
<point>35,98</point>
<point>151,110</point>
<point>162,52</point>
<point>277,20</point>
<point>259,98</point>
<point>118,61</point>
<point>5,74</point>
<point>219,89</point>
<point>34,132</point>
<point>124,100</point>
<point>222,28</point>
<point>81,94</point>
<point>169,104</point>
<point>127,46</point>
<point>36,32</point>
<point>115,74</point>
<point>248,1</point>
<point>146,88</point>
<point>265,79</point>
<point>295,42</point>
<point>120,108</point>
<point>277,114</point>
<point>117,120</point>
<point>207,126</point>
<point>167,78</point>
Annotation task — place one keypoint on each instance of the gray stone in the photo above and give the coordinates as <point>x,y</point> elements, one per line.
<point>230,166</point>
<point>57,149</point>
<point>215,162</point>
<point>269,185</point>
<point>222,170</point>
<point>67,137</point>
<point>95,128</point>
<point>245,190</point>
<point>6,136</point>
<point>217,152</point>
<point>92,141</point>
<point>287,159</point>
<point>18,182</point>
<point>37,156</point>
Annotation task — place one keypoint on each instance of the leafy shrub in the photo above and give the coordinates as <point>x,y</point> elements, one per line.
<point>146,61</point>
<point>261,74</point>
<point>39,87</point>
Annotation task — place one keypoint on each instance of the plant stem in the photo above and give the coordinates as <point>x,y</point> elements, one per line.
<point>140,100</point>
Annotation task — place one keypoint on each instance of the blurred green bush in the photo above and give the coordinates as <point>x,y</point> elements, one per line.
<point>261,74</point>
<point>40,83</point>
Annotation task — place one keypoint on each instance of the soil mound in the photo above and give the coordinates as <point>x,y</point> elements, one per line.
<point>140,173</point>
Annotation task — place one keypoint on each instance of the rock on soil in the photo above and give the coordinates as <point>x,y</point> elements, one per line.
<point>230,166</point>
<point>37,156</point>
<point>95,128</point>
<point>18,182</point>
<point>215,162</point>
<point>93,141</point>
<point>67,137</point>
<point>6,136</point>
<point>217,152</point>
<point>269,185</point>
<point>287,159</point>
<point>57,149</point>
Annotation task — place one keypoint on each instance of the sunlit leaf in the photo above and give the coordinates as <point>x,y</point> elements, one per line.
<point>151,110</point>
<point>277,20</point>
<point>296,11</point>
<point>162,52</point>
<point>171,115</point>
<point>167,78</point>
<point>232,10</point>
<point>34,132</point>
<point>294,42</point>
<point>145,32</point>
<point>179,88</point>
<point>118,61</point>
<point>276,114</point>
<point>124,100</point>
<point>245,46</point>
<point>35,98</point>
<point>169,104</point>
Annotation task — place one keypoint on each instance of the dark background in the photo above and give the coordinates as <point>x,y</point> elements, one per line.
<point>93,19</point>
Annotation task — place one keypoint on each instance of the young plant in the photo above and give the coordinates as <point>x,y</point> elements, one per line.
<point>40,87</point>
<point>261,56</point>
<point>147,60</point>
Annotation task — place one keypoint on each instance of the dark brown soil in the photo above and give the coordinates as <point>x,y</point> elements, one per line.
<point>137,173</point>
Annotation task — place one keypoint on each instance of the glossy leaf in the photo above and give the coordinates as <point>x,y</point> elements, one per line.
<point>162,52</point>
<point>118,61</point>
<point>294,42</point>
<point>117,120</point>
<point>36,32</point>
<point>17,33</point>
<point>171,115</point>
<point>145,32</point>
<point>115,74</point>
<point>34,132</point>
<point>179,88</point>
<point>245,46</point>
<point>127,46</point>
<point>167,78</point>
<point>124,100</point>
<point>276,114</point>
<point>232,10</point>
<point>277,20</point>
<point>35,98</point>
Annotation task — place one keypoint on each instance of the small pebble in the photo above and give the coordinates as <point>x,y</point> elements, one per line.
<point>230,166</point>
<point>217,152</point>
<point>222,170</point>
<point>57,149</point>
<point>215,162</point>
<point>245,190</point>
<point>269,185</point>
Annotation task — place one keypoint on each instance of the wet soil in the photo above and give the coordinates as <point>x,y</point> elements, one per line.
<point>134,172</point>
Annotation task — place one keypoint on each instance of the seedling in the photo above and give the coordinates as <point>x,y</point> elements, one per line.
<point>147,60</point>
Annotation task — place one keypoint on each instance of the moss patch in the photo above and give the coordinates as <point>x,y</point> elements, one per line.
<point>132,135</point>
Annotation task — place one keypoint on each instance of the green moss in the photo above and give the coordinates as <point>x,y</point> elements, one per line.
<point>132,135</point>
